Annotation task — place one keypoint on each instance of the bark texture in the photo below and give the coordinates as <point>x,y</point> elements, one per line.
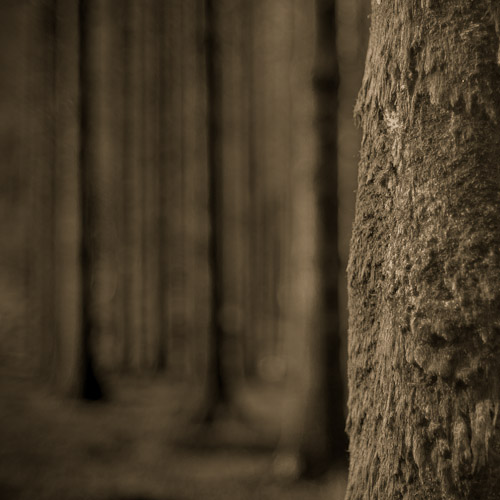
<point>424,271</point>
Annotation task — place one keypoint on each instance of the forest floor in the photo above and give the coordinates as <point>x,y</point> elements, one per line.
<point>138,446</point>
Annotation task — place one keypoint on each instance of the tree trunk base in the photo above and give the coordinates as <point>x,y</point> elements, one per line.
<point>92,389</point>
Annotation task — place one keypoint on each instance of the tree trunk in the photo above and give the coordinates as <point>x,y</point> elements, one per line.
<point>113,113</point>
<point>195,181</point>
<point>173,116</point>
<point>324,439</point>
<point>90,388</point>
<point>42,32</point>
<point>150,198</point>
<point>165,87</point>
<point>67,230</point>
<point>132,189</point>
<point>217,391</point>
<point>424,271</point>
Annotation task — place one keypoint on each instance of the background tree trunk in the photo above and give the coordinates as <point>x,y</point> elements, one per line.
<point>324,439</point>
<point>217,390</point>
<point>164,88</point>
<point>66,193</point>
<point>424,271</point>
<point>42,24</point>
<point>89,139</point>
<point>133,342</point>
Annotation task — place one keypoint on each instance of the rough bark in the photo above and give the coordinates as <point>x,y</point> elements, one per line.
<point>424,280</point>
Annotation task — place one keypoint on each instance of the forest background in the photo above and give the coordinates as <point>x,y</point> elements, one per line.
<point>163,245</point>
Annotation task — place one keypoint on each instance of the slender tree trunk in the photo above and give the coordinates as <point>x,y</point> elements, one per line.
<point>113,112</point>
<point>51,149</point>
<point>90,386</point>
<point>67,228</point>
<point>126,285</point>
<point>217,391</point>
<point>234,158</point>
<point>150,225</point>
<point>173,116</point>
<point>251,326</point>
<point>196,227</point>
<point>164,87</point>
<point>51,327</point>
<point>41,273</point>
<point>132,185</point>
<point>324,438</point>
<point>424,271</point>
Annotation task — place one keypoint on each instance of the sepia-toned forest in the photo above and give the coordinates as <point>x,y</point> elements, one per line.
<point>178,182</point>
<point>251,250</point>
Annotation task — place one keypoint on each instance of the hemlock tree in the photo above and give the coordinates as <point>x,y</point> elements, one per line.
<point>424,271</point>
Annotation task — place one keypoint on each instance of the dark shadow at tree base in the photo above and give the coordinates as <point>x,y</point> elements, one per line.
<point>310,470</point>
<point>92,390</point>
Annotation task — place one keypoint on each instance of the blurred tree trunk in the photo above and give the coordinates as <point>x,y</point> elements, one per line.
<point>264,122</point>
<point>324,439</point>
<point>274,160</point>
<point>51,33</point>
<point>217,396</point>
<point>133,343</point>
<point>313,439</point>
<point>67,228</point>
<point>243,58</point>
<point>111,192</point>
<point>234,171</point>
<point>253,297</point>
<point>174,116</point>
<point>196,189</point>
<point>150,198</point>
<point>164,88</point>
<point>126,188</point>
<point>424,270</point>
<point>90,387</point>
<point>42,35</point>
